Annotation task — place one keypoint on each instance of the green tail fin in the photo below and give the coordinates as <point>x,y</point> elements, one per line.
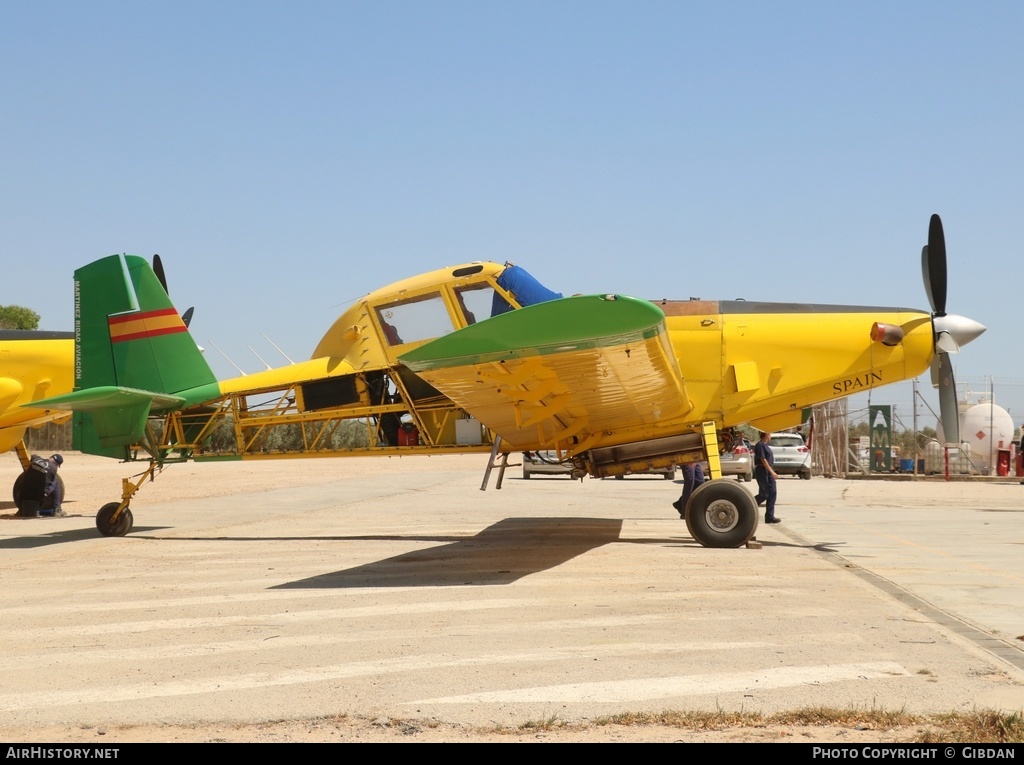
<point>133,352</point>
<point>128,333</point>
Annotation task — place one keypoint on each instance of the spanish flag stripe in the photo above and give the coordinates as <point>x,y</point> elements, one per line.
<point>147,334</point>
<point>150,324</point>
<point>126,317</point>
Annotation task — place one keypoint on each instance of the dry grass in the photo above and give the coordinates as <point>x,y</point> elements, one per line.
<point>984,726</point>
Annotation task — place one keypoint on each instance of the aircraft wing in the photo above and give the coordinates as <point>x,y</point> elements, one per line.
<point>568,373</point>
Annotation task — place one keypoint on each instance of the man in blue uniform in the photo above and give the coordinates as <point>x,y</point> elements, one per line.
<point>693,476</point>
<point>764,472</point>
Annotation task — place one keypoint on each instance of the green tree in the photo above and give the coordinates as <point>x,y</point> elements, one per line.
<point>18,317</point>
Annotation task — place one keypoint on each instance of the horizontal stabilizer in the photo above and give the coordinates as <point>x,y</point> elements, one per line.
<point>575,372</point>
<point>107,397</point>
<point>117,414</point>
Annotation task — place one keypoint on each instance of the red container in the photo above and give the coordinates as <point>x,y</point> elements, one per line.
<point>408,435</point>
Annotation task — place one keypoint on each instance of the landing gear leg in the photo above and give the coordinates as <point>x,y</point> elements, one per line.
<point>23,456</point>
<point>115,518</point>
<point>709,435</point>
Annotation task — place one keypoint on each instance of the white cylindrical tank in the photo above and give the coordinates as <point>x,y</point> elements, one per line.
<point>987,428</point>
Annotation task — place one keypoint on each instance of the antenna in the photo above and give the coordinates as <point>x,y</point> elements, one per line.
<point>240,370</point>
<point>265,364</point>
<point>276,348</point>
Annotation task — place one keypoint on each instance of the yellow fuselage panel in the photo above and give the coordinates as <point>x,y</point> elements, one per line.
<point>742,365</point>
<point>31,370</point>
<point>285,377</point>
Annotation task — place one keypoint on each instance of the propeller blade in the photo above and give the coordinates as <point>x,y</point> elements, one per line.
<point>933,266</point>
<point>158,269</point>
<point>947,401</point>
<point>187,316</point>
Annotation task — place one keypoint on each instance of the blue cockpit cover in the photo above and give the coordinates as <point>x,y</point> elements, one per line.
<point>526,289</point>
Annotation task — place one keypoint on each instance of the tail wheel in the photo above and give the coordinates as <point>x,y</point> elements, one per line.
<point>721,513</point>
<point>108,526</point>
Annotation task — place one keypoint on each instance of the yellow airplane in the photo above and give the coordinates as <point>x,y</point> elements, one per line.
<point>481,357</point>
<point>33,365</point>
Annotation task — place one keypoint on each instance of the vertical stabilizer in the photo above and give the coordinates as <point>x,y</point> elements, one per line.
<point>128,333</point>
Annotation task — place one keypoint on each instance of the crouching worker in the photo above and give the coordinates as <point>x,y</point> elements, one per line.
<point>53,494</point>
<point>38,490</point>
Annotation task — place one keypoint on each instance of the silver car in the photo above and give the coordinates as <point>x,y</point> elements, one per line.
<point>739,462</point>
<point>544,463</point>
<point>792,457</point>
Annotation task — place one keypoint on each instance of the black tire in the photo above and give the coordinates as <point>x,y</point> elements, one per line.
<point>619,477</point>
<point>18,490</point>
<point>111,528</point>
<point>805,475</point>
<point>721,513</point>
<point>19,484</point>
<point>670,476</point>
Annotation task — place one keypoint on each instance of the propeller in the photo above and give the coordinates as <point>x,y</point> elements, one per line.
<point>933,266</point>
<point>158,269</point>
<point>950,331</point>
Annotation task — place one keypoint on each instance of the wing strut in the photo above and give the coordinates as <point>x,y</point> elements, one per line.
<point>490,465</point>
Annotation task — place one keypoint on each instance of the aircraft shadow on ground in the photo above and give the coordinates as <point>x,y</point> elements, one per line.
<point>52,538</point>
<point>500,554</point>
<point>55,537</point>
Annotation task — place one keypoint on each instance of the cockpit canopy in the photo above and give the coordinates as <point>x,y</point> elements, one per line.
<point>426,307</point>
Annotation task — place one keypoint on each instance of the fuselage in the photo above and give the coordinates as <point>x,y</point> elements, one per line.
<point>33,366</point>
<point>739,361</point>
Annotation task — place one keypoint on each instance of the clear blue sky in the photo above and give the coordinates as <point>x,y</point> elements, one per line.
<point>286,158</point>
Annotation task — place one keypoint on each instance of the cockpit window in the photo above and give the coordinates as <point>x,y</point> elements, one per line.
<point>476,301</point>
<point>409,321</point>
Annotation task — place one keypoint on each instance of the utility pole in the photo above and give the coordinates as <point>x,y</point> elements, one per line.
<point>915,426</point>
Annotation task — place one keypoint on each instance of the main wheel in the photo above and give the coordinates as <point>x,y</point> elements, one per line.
<point>106,524</point>
<point>19,488</point>
<point>20,484</point>
<point>805,475</point>
<point>721,513</point>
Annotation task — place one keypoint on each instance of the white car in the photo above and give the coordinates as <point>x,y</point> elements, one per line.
<point>792,457</point>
